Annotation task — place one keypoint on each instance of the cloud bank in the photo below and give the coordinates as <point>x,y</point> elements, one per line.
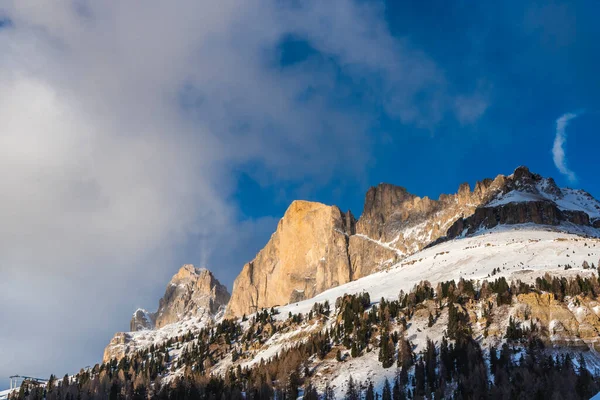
<point>123,127</point>
<point>558,151</point>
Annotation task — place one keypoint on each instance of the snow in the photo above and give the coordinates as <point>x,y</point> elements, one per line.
<point>4,393</point>
<point>521,252</point>
<point>569,199</point>
<point>140,340</point>
<point>382,244</point>
<point>515,196</point>
<point>363,369</point>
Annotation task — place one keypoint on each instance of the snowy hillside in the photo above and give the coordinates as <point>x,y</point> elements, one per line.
<point>520,252</point>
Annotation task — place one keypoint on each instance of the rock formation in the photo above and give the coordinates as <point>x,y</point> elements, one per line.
<point>142,320</point>
<point>308,253</point>
<point>192,292</point>
<point>317,247</point>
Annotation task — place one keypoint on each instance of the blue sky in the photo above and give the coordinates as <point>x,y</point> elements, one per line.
<point>138,139</point>
<point>530,63</point>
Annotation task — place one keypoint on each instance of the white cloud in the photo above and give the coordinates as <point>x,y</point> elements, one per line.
<point>558,151</point>
<point>123,125</point>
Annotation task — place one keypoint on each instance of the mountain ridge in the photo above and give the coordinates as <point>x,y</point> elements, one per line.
<point>395,224</point>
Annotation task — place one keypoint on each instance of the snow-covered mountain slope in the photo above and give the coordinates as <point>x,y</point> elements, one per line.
<point>520,251</point>
<point>516,252</point>
<point>399,224</point>
<point>127,343</point>
<point>523,252</point>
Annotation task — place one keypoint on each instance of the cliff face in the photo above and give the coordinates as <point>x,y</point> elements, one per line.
<point>395,224</point>
<point>307,254</point>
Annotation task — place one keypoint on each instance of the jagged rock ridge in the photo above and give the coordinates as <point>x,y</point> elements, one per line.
<point>317,247</point>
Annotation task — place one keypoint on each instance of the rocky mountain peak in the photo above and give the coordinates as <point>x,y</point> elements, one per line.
<point>191,292</point>
<point>308,253</point>
<point>141,320</point>
<point>383,199</point>
<point>189,272</point>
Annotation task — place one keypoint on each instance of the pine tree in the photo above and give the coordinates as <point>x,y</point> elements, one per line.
<point>386,394</point>
<point>430,365</point>
<point>329,393</point>
<point>420,378</point>
<point>310,393</point>
<point>386,350</point>
<point>354,351</point>
<point>493,359</point>
<point>51,383</point>
<point>397,391</point>
<point>370,395</point>
<point>353,392</point>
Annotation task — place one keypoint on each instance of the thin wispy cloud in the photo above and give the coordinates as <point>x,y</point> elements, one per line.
<point>558,150</point>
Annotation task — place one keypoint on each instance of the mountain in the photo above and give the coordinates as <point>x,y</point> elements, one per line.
<point>522,289</point>
<point>512,264</point>
<point>193,295</point>
<point>316,247</point>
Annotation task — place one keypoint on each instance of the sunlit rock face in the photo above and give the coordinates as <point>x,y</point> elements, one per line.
<point>307,254</point>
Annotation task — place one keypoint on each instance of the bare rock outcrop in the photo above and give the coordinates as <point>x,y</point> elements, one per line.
<point>563,323</point>
<point>307,254</point>
<point>142,320</point>
<point>190,293</point>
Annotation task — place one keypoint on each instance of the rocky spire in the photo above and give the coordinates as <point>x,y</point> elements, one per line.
<point>192,292</point>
